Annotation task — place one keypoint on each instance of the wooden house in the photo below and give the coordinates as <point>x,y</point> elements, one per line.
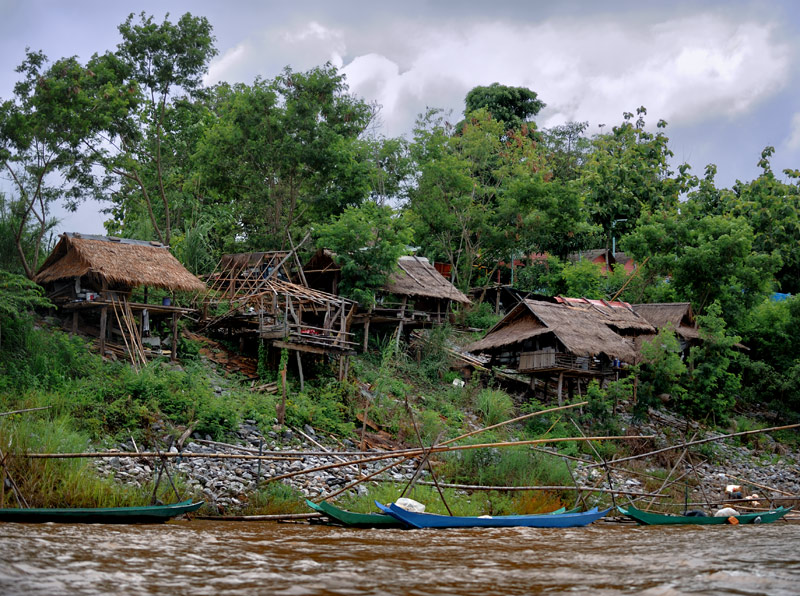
<point>415,294</point>
<point>568,338</point>
<point>260,299</point>
<point>104,281</point>
<point>676,315</point>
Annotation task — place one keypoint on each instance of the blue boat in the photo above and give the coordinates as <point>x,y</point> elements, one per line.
<point>432,520</point>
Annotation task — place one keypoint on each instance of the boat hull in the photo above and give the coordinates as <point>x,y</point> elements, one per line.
<point>545,520</point>
<point>355,520</point>
<point>100,515</point>
<point>659,519</point>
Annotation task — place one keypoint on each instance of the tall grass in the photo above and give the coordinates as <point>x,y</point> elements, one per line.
<point>58,482</point>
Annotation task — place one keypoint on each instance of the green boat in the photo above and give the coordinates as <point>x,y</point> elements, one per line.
<point>661,519</point>
<point>355,520</point>
<point>375,520</point>
<point>151,514</point>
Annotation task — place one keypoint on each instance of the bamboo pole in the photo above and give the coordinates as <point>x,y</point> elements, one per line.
<point>517,419</point>
<point>699,442</point>
<point>146,454</point>
<point>25,410</point>
<point>364,479</point>
<point>535,488</point>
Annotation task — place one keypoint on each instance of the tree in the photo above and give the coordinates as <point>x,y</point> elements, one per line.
<point>627,173</point>
<point>461,207</point>
<point>708,258</point>
<point>772,208</point>
<point>43,131</point>
<point>18,295</point>
<point>155,62</point>
<point>367,242</point>
<point>566,149</point>
<point>287,152</point>
<point>661,372</point>
<point>513,106</point>
<point>713,387</point>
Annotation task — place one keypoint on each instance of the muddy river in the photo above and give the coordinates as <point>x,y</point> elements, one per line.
<point>203,557</point>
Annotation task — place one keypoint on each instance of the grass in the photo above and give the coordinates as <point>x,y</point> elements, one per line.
<point>460,502</point>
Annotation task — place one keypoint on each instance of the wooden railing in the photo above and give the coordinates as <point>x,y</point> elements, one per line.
<point>540,361</point>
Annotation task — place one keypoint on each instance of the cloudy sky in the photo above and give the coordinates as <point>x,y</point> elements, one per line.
<point>723,74</point>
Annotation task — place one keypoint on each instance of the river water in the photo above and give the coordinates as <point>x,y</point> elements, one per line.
<point>204,557</point>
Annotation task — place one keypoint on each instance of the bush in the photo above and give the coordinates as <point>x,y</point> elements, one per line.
<point>494,406</point>
<point>481,316</point>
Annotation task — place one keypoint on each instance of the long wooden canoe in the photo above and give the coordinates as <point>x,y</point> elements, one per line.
<point>377,520</point>
<point>661,519</point>
<point>151,514</point>
<point>545,520</point>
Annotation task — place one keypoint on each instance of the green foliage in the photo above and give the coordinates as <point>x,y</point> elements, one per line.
<point>273,499</point>
<point>61,482</point>
<point>661,372</point>
<point>713,386</point>
<point>480,316</point>
<point>366,241</point>
<point>323,406</point>
<point>511,105</point>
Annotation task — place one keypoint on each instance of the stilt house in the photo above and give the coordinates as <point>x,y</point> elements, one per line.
<point>260,300</point>
<point>566,338</point>
<point>104,283</point>
<point>677,315</point>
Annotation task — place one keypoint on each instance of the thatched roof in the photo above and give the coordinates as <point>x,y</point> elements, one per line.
<point>417,277</point>
<point>620,316</point>
<point>677,314</point>
<point>119,261</point>
<point>583,329</point>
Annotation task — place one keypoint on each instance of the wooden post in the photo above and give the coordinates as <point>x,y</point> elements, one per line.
<point>74,321</point>
<point>103,321</point>
<point>300,370</point>
<point>560,385</point>
<point>366,328</point>
<point>400,327</point>
<point>174,352</point>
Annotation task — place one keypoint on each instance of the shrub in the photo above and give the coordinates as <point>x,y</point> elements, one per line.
<point>494,406</point>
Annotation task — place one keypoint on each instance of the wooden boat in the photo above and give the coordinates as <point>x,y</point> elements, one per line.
<point>355,520</point>
<point>151,514</point>
<point>661,519</point>
<point>544,520</point>
<point>376,520</point>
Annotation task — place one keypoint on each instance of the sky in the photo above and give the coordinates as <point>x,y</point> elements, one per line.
<point>724,75</point>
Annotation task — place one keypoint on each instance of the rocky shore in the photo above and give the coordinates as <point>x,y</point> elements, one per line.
<point>226,483</point>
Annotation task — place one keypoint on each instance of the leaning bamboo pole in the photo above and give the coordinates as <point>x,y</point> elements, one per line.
<point>698,442</point>
<point>477,487</point>
<point>153,454</point>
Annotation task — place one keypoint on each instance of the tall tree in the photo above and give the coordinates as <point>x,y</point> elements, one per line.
<point>514,106</point>
<point>43,132</point>
<point>628,173</point>
<point>158,63</point>
<point>287,152</point>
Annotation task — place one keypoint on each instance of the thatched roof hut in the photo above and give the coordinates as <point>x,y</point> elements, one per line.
<point>417,277</point>
<point>582,328</point>
<point>677,314</point>
<point>118,261</point>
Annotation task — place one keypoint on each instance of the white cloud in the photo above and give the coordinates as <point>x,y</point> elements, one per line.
<point>793,142</point>
<point>684,70</point>
<point>229,63</point>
